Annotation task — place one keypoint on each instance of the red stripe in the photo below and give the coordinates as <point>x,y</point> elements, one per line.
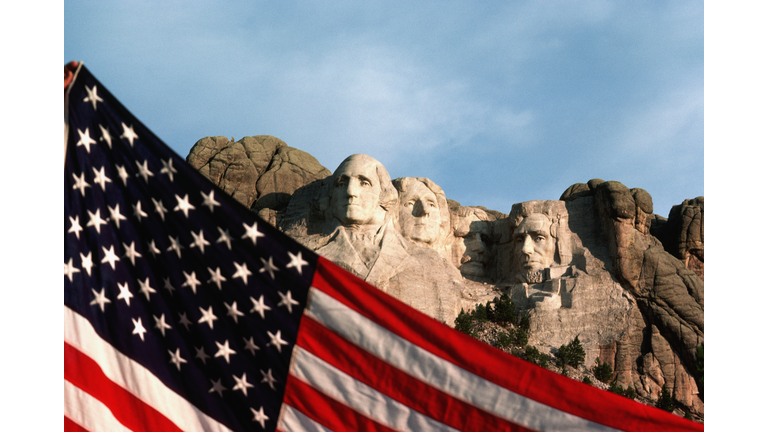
<point>71,426</point>
<point>326,411</point>
<point>394,383</point>
<point>85,373</point>
<point>492,364</point>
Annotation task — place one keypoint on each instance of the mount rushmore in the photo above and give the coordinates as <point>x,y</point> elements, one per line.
<point>596,263</point>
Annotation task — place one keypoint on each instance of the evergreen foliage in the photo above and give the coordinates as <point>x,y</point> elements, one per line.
<point>587,380</point>
<point>504,310</point>
<point>602,371</point>
<point>463,323</point>
<point>533,355</point>
<point>571,354</point>
<point>700,366</point>
<point>665,401</point>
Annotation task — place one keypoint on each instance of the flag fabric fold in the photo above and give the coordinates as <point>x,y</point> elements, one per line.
<point>184,311</point>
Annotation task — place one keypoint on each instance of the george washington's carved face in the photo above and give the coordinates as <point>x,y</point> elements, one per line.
<point>419,213</point>
<point>534,246</point>
<point>356,191</point>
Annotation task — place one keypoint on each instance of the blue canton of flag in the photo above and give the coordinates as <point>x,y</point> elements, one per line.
<point>183,298</point>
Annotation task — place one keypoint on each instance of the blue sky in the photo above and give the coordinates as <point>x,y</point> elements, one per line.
<point>498,103</point>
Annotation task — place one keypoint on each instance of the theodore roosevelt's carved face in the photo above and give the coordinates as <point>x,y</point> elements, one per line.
<point>419,213</point>
<point>470,250</point>
<point>534,246</point>
<point>356,191</point>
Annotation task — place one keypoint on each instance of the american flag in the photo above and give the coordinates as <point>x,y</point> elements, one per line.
<point>184,311</point>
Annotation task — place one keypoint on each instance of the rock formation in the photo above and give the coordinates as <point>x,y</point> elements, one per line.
<point>597,263</point>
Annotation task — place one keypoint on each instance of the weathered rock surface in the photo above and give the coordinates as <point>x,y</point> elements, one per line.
<point>259,171</point>
<point>597,264</point>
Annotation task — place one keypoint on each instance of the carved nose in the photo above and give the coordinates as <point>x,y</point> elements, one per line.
<point>527,246</point>
<point>353,189</point>
<point>476,244</point>
<point>418,209</point>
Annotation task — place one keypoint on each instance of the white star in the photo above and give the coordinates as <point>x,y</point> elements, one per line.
<point>259,306</point>
<point>105,136</point>
<point>160,324</point>
<point>92,97</point>
<point>109,256</point>
<point>168,168</point>
<point>252,232</point>
<point>225,237</point>
<point>209,201</point>
<point>152,248</point>
<point>269,267</point>
<point>75,228</point>
<point>296,261</point>
<point>242,384</point>
<point>138,212</point>
<point>130,252</point>
<point>69,270</point>
<point>268,378</point>
<point>216,277</point>
<point>100,178</point>
<point>85,140</point>
<point>275,340</point>
<point>138,328</point>
<point>80,183</point>
<point>224,350</point>
<point>217,387</point>
<point>121,171</point>
<point>200,353</point>
<point>183,205</point>
<point>232,310</point>
<point>100,299</point>
<point>115,216</point>
<point>191,281</point>
<point>287,301</point>
<point>175,245</point>
<point>145,288</point>
<point>129,134</point>
<point>95,220</point>
<point>208,316</point>
<point>183,320</point>
<point>242,272</point>
<point>176,358</point>
<point>160,208</point>
<point>125,293</point>
<point>144,171</point>
<point>251,346</point>
<point>168,285</point>
<point>199,241</point>
<point>86,262</point>
<point>259,416</point>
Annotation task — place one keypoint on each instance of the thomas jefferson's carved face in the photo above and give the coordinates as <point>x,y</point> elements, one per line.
<point>419,213</point>
<point>355,196</point>
<point>534,246</point>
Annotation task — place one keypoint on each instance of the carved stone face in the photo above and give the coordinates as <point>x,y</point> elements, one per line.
<point>355,196</point>
<point>469,250</point>
<point>419,214</point>
<point>534,246</point>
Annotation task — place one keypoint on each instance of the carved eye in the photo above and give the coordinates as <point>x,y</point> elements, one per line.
<point>364,182</point>
<point>409,203</point>
<point>540,239</point>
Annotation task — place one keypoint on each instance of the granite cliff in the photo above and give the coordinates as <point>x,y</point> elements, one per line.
<point>597,264</point>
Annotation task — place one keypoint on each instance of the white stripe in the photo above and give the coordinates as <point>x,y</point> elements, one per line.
<point>134,377</point>
<point>294,421</point>
<point>439,373</point>
<point>358,396</point>
<point>89,412</point>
